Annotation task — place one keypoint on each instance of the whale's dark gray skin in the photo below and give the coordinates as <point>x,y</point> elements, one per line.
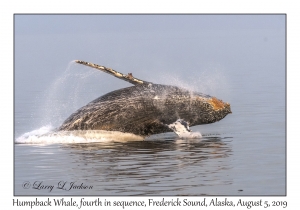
<point>145,108</point>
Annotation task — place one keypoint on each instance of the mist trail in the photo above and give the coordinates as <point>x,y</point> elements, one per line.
<point>64,95</point>
<point>211,81</point>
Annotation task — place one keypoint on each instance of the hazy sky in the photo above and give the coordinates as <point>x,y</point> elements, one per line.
<point>85,24</point>
<point>141,42</point>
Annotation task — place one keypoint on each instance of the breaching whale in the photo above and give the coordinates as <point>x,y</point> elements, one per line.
<point>146,108</point>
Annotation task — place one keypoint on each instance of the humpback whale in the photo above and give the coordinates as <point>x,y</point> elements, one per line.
<point>146,108</point>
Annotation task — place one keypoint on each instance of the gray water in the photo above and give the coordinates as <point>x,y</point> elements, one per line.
<point>239,59</point>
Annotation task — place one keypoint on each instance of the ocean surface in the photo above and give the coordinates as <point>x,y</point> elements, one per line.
<point>243,64</point>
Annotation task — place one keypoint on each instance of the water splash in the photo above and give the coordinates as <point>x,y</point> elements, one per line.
<point>34,134</point>
<point>46,135</point>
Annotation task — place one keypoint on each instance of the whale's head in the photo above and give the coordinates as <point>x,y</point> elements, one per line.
<point>218,105</point>
<point>208,109</point>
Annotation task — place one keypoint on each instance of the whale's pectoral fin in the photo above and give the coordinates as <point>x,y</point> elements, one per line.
<point>182,129</point>
<point>127,78</point>
<point>179,127</point>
